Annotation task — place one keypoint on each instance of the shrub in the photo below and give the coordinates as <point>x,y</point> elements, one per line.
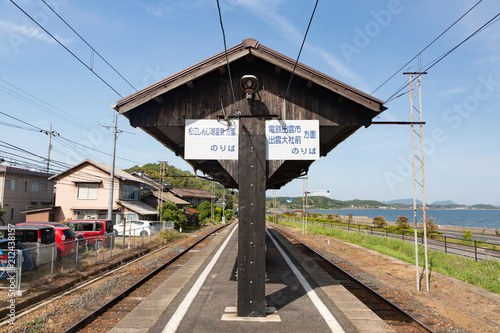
<point>431,225</point>
<point>379,221</point>
<point>497,232</point>
<point>467,234</point>
<point>170,235</point>
<point>402,222</point>
<point>329,216</point>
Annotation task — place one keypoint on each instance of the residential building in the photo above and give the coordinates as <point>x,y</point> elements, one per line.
<point>22,190</point>
<point>83,190</point>
<point>194,196</point>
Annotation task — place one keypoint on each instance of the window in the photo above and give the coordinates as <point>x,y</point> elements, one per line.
<point>130,192</point>
<point>87,191</point>
<point>12,214</point>
<point>25,186</point>
<point>10,184</point>
<point>38,187</point>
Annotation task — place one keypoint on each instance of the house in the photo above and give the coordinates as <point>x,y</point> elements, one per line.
<point>82,192</point>
<point>194,196</point>
<point>154,195</point>
<point>22,190</point>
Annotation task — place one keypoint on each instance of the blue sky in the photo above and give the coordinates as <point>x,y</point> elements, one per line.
<point>358,42</point>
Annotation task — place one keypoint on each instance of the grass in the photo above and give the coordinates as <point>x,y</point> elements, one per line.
<point>484,274</point>
<point>170,235</point>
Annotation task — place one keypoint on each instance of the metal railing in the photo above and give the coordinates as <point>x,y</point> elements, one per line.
<point>471,248</point>
<point>10,270</point>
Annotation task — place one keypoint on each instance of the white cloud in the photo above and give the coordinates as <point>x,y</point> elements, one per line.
<point>30,32</point>
<point>456,90</point>
<point>266,11</point>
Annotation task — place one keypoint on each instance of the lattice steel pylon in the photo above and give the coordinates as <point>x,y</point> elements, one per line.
<point>418,177</point>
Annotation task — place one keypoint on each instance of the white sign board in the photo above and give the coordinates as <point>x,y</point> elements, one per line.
<point>292,139</point>
<point>210,139</point>
<point>317,193</point>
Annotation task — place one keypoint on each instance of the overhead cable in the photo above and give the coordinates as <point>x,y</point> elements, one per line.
<point>300,51</point>
<point>93,50</point>
<point>425,48</point>
<point>60,43</point>
<point>487,24</point>
<point>227,60</point>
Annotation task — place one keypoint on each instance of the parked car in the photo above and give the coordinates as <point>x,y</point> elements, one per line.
<point>65,237</point>
<point>134,228</point>
<point>98,233</point>
<point>7,259</point>
<point>39,239</point>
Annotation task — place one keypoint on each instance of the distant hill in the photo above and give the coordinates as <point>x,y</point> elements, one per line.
<point>444,203</point>
<point>402,202</point>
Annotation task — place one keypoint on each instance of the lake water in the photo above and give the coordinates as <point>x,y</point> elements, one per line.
<point>489,219</point>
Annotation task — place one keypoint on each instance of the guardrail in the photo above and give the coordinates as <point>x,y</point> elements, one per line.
<point>477,249</point>
<point>56,259</point>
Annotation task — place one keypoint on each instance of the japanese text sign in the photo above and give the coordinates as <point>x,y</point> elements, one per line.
<point>210,139</point>
<point>292,139</point>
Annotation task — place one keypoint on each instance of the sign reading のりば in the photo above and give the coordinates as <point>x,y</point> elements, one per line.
<point>209,139</point>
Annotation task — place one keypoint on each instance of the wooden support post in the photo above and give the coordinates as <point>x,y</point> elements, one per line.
<point>252,224</point>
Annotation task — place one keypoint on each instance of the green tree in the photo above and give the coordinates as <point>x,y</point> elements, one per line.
<point>170,212</point>
<point>205,210</point>
<point>379,221</point>
<point>228,213</point>
<point>2,213</point>
<point>402,222</point>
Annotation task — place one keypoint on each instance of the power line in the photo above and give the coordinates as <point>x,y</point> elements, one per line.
<point>428,45</point>
<point>487,24</point>
<point>93,50</point>
<point>227,60</point>
<point>38,128</point>
<point>55,112</point>
<point>300,51</point>
<point>67,144</point>
<point>59,42</point>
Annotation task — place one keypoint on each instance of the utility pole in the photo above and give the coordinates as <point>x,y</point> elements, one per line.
<point>163,166</point>
<point>50,133</point>
<point>112,181</point>
<point>116,131</point>
<point>416,180</point>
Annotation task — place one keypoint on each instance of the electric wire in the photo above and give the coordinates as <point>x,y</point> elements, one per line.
<point>60,43</point>
<point>77,150</point>
<point>484,26</point>
<point>48,108</point>
<point>425,48</point>
<point>300,51</point>
<point>227,60</point>
<point>93,50</point>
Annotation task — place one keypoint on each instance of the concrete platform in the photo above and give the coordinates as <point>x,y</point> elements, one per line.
<point>201,297</point>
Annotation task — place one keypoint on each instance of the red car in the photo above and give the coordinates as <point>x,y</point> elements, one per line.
<point>98,233</point>
<point>65,237</point>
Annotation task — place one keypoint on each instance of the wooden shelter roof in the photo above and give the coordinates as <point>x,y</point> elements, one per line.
<point>203,91</point>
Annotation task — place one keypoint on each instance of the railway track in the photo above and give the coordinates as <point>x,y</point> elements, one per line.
<point>394,316</point>
<point>109,314</point>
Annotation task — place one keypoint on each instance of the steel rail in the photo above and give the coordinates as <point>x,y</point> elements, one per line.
<point>385,300</point>
<point>92,316</point>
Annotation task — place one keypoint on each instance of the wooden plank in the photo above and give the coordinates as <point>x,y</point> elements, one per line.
<point>251,231</point>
